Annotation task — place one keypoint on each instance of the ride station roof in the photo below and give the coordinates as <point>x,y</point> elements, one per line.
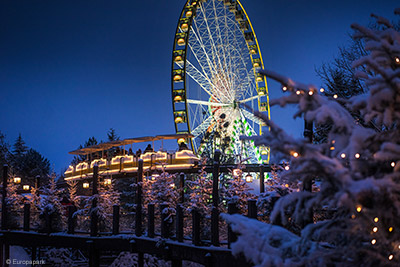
<point>128,141</point>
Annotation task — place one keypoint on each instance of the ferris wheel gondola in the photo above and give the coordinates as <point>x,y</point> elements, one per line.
<point>215,80</point>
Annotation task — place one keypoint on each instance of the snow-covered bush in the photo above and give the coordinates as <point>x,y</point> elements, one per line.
<point>276,187</point>
<point>358,169</point>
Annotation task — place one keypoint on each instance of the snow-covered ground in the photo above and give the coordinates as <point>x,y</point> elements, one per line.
<point>18,255</point>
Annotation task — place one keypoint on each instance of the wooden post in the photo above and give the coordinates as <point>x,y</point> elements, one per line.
<point>3,199</point>
<point>196,227</point>
<point>71,220</point>
<point>209,260</point>
<point>115,220</point>
<point>164,223</point>
<point>94,256</point>
<point>215,226</point>
<point>181,186</point>
<point>176,263</point>
<point>232,209</point>
<point>150,220</point>
<point>33,253</point>
<point>215,175</point>
<point>37,182</point>
<point>179,223</point>
<point>6,253</point>
<point>252,208</point>
<point>138,221</point>
<point>94,228</point>
<point>27,211</point>
<point>262,177</point>
<point>2,258</point>
<point>140,262</point>
<point>140,259</point>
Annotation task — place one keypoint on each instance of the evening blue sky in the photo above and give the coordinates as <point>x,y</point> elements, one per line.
<point>70,70</point>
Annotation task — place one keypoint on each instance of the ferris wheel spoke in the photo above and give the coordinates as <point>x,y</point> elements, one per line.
<point>203,78</point>
<point>207,103</point>
<point>249,99</point>
<point>202,127</point>
<point>250,116</point>
<point>215,55</point>
<point>199,78</point>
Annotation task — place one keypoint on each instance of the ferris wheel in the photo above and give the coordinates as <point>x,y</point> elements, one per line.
<point>215,80</point>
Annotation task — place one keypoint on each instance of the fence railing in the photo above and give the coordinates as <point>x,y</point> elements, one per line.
<point>196,237</point>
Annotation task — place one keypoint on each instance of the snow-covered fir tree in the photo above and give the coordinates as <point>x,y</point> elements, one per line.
<point>107,198</point>
<point>34,199</point>
<point>51,207</point>
<point>235,190</point>
<point>200,192</point>
<point>160,189</point>
<point>72,191</point>
<point>358,169</point>
<point>275,188</point>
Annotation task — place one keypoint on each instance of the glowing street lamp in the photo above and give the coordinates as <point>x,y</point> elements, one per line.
<point>85,185</point>
<point>107,181</point>
<point>249,178</point>
<point>25,187</point>
<point>17,180</point>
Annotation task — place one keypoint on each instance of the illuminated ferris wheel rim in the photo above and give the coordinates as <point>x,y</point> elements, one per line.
<point>215,48</point>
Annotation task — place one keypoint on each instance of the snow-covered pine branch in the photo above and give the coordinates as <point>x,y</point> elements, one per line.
<point>358,168</point>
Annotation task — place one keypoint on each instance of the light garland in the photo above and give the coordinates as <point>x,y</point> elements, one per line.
<point>393,164</point>
<point>322,90</point>
<point>357,156</point>
<point>373,241</point>
<point>375,229</point>
<point>343,155</point>
<point>376,219</point>
<point>335,96</point>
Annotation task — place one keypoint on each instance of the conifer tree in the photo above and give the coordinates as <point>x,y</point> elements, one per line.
<point>19,147</point>
<point>358,168</point>
<point>4,150</point>
<point>112,135</point>
<point>51,206</point>
<point>107,198</point>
